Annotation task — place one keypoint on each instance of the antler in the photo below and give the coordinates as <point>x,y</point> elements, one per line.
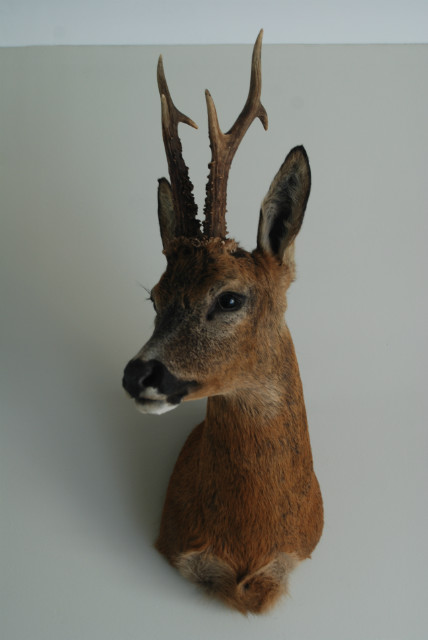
<point>185,207</point>
<point>224,146</point>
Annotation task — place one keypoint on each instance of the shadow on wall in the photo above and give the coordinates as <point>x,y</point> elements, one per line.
<point>146,448</point>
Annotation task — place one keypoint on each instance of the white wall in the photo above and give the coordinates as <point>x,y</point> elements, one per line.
<point>28,22</point>
<point>82,474</point>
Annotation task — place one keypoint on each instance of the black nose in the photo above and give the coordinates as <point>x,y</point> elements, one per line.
<point>139,374</point>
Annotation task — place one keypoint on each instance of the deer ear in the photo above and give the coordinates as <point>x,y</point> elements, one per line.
<point>283,208</point>
<point>166,213</point>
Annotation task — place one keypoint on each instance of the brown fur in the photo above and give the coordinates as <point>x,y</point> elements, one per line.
<point>243,494</point>
<point>254,593</point>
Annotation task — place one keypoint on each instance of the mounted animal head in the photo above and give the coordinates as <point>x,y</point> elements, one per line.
<point>219,309</point>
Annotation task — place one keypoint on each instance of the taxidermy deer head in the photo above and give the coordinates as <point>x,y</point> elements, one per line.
<point>243,505</point>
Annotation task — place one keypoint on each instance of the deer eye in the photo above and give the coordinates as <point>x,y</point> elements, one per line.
<point>230,301</point>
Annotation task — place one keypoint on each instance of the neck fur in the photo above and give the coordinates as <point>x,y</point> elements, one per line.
<point>263,422</point>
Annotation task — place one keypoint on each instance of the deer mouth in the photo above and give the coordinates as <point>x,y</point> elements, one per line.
<point>153,387</point>
<point>155,406</point>
<point>152,400</point>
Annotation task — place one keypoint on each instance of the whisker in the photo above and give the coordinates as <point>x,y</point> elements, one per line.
<point>148,291</point>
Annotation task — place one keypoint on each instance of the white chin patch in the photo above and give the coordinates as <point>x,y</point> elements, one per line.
<point>154,406</point>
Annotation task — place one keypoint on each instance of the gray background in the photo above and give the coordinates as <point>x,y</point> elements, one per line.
<point>35,22</point>
<point>82,474</point>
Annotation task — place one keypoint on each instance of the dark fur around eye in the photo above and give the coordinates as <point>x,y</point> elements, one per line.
<point>225,303</point>
<point>229,301</point>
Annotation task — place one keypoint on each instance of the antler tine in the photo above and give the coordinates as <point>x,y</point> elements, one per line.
<point>224,146</point>
<point>182,189</point>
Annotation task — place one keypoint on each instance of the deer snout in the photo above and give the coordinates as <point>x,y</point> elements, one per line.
<point>135,375</point>
<point>153,387</point>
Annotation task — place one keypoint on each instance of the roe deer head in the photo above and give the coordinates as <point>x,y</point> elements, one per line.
<point>243,505</point>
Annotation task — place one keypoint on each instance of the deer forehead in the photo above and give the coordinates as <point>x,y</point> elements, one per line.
<point>203,270</point>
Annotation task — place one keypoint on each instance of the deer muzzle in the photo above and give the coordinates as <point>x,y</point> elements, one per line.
<point>153,387</point>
